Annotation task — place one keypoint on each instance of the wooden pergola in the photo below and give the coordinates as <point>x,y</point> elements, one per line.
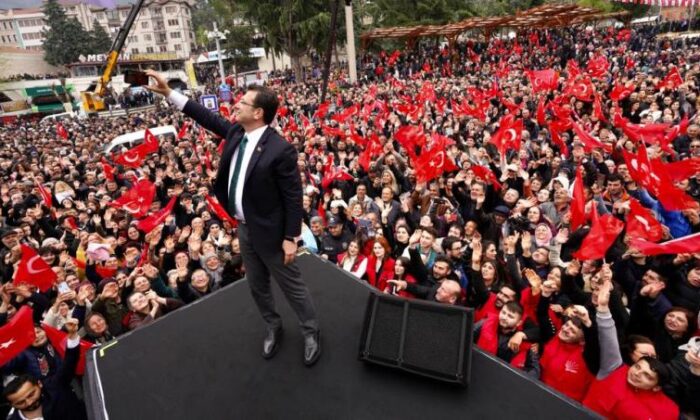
<point>541,17</point>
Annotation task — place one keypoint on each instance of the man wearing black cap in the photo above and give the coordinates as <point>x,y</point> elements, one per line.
<point>336,240</point>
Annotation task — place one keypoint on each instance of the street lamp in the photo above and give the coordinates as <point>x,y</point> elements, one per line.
<point>350,35</point>
<point>217,36</point>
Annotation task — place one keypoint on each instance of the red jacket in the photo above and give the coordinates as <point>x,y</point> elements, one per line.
<point>386,272</point>
<point>355,265</point>
<point>488,309</point>
<point>488,342</point>
<point>564,369</point>
<point>614,398</point>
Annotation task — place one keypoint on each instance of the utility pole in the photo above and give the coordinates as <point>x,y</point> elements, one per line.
<point>217,37</point>
<point>350,35</point>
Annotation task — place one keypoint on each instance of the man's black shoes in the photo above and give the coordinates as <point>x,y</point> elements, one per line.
<point>312,349</point>
<point>272,342</point>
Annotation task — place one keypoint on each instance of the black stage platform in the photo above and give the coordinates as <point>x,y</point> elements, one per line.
<point>203,362</point>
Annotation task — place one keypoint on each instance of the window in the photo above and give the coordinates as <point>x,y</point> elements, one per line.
<point>112,15</point>
<point>134,50</point>
<point>175,35</point>
<point>163,48</point>
<point>147,37</point>
<point>173,22</point>
<point>149,50</point>
<point>178,47</point>
<point>100,15</point>
<point>125,13</point>
<point>162,38</point>
<point>133,38</point>
<point>171,9</point>
<point>144,25</point>
<point>14,37</point>
<point>156,11</point>
<point>3,39</point>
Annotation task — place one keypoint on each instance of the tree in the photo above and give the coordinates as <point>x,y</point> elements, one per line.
<point>100,41</point>
<point>294,27</point>
<point>65,39</point>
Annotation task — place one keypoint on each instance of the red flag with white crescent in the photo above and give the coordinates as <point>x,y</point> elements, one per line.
<point>17,334</point>
<point>149,223</point>
<point>45,194</point>
<point>138,199</point>
<point>183,130</point>
<point>641,223</point>
<point>220,212</point>
<point>59,341</point>
<point>34,270</point>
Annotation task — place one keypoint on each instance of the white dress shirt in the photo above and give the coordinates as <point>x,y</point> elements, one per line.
<point>179,100</point>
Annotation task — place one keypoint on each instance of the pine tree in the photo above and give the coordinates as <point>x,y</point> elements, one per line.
<point>100,41</point>
<point>65,39</point>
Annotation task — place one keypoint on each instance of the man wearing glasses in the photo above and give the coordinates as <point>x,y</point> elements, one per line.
<point>259,184</point>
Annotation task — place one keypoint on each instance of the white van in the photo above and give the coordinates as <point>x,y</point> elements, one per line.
<point>130,140</point>
<point>63,115</point>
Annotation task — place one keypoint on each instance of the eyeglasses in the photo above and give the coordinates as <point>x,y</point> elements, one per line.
<point>695,146</point>
<point>246,103</point>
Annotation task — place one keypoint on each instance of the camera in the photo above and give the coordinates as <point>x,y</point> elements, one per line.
<point>519,224</point>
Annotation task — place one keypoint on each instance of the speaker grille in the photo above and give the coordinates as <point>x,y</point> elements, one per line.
<point>433,340</point>
<point>386,337</point>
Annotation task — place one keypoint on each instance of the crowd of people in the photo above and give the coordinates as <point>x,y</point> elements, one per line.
<point>413,184</point>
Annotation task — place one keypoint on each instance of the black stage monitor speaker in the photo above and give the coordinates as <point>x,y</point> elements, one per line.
<point>420,337</point>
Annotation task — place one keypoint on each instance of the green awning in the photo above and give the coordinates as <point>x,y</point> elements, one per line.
<point>45,90</point>
<point>57,107</point>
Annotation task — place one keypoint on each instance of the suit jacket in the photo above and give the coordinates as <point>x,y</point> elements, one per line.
<point>272,193</point>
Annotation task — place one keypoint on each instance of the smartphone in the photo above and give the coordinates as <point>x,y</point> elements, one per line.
<point>135,78</point>
<point>63,287</point>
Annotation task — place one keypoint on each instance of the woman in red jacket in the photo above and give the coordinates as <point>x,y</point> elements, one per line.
<point>400,273</point>
<point>380,266</point>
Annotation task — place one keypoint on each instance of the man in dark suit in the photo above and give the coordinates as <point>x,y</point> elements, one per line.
<point>259,184</point>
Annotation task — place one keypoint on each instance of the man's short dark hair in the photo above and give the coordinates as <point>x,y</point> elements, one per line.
<point>431,231</point>
<point>443,258</point>
<point>266,99</point>
<point>515,307</point>
<point>15,384</point>
<point>615,178</point>
<point>447,243</point>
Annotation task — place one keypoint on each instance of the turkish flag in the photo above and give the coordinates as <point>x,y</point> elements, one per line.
<point>541,106</point>
<point>641,223</point>
<point>578,203</point>
<point>589,142</point>
<point>149,223</point>
<point>672,80</point>
<point>183,130</point>
<point>34,270</point>
<point>620,92</point>
<point>150,142</point>
<point>677,171</point>
<point>431,164</point>
<point>373,149</point>
<point>61,131</point>
<point>598,109</point>
<point>17,334</point>
<point>543,80</point>
<point>685,245</point>
<point>393,58</point>
<point>509,134</point>
<point>487,175</point>
<point>582,89</point>
<point>59,341</point>
<point>138,199</point>
<point>604,231</point>
<point>410,137</point>
<point>219,211</point>
<point>321,111</point>
<point>335,174</point>
<point>132,158</point>
<point>45,194</point>
<point>572,69</point>
<point>108,170</point>
<point>598,66</point>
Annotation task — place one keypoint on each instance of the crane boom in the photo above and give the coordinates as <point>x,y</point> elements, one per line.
<point>92,101</point>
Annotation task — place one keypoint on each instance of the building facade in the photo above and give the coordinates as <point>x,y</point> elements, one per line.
<point>162,26</point>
